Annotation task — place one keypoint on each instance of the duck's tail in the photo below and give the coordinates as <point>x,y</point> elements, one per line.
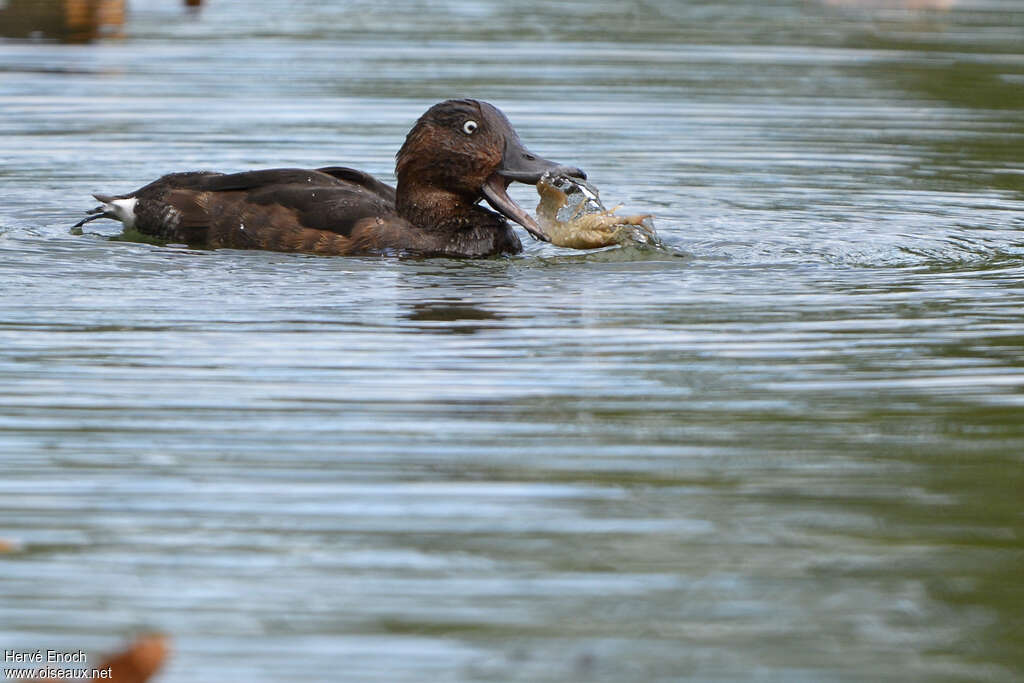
<point>116,208</point>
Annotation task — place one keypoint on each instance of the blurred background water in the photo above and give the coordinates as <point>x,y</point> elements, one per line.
<point>791,453</point>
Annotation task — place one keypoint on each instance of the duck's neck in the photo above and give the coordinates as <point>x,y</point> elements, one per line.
<point>434,210</point>
<point>450,225</point>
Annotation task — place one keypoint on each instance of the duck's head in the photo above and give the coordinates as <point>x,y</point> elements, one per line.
<point>468,148</point>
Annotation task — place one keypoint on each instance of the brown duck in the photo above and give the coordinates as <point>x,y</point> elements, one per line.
<point>459,152</point>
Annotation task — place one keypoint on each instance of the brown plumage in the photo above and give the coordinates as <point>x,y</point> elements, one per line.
<point>459,152</point>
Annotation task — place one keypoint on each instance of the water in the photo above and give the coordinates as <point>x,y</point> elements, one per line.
<point>793,454</point>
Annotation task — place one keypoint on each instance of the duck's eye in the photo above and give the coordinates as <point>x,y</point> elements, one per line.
<point>469,127</point>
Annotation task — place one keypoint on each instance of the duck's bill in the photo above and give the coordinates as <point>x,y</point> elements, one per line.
<point>519,164</point>
<point>495,191</point>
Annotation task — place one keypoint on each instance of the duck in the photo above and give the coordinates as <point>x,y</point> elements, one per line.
<point>458,153</point>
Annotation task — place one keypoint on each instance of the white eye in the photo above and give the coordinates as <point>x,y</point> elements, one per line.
<point>469,127</point>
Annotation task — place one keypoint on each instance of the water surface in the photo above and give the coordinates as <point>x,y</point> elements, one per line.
<point>789,450</point>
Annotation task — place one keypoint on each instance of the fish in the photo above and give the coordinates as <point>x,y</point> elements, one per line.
<point>571,214</point>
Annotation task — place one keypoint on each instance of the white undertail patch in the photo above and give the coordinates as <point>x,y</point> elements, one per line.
<point>123,210</point>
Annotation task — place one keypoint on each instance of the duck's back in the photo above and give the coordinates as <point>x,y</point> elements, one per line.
<point>318,211</point>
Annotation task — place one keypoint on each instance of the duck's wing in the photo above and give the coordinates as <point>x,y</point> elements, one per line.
<point>289,209</point>
<point>252,180</point>
<point>334,198</point>
<point>339,218</point>
<point>365,180</point>
<point>335,208</point>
